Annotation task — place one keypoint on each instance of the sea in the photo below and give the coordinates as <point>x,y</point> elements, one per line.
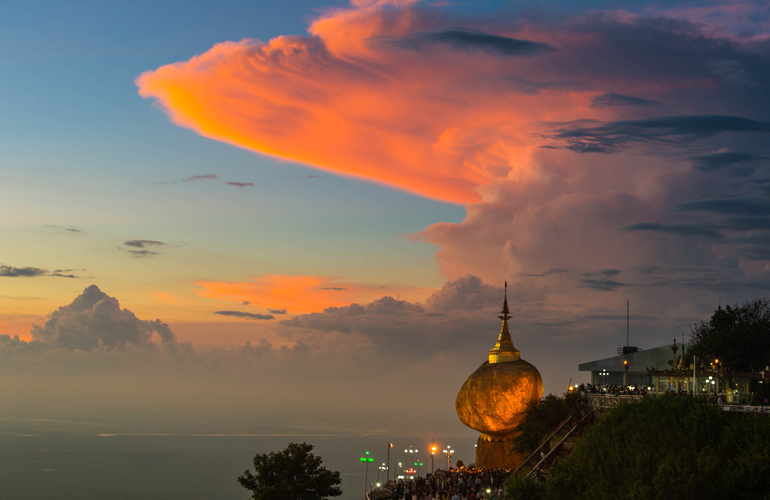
<point>191,467</point>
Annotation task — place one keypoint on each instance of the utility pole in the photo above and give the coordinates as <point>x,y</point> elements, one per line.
<point>627,336</point>
<point>390,445</point>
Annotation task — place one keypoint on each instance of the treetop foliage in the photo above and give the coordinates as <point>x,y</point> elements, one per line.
<point>739,336</point>
<point>291,474</point>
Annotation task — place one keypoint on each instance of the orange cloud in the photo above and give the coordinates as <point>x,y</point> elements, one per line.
<point>166,298</point>
<point>19,324</point>
<point>376,92</point>
<point>302,294</point>
<point>393,92</point>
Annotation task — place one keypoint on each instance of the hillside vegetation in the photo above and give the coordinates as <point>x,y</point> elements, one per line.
<point>662,448</point>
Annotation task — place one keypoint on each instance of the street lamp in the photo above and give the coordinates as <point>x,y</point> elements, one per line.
<point>625,367</point>
<point>366,459</point>
<point>390,445</point>
<point>448,453</point>
<point>384,470</point>
<point>603,377</point>
<point>433,450</point>
<point>411,452</point>
<point>418,463</point>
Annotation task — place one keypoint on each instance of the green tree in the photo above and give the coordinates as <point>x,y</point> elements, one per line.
<point>291,474</point>
<point>738,336</point>
<point>542,418</point>
<point>523,488</point>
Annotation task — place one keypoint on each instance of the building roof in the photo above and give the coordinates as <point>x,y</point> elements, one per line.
<point>638,362</point>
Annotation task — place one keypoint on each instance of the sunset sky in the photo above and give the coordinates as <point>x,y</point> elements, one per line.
<point>317,203</point>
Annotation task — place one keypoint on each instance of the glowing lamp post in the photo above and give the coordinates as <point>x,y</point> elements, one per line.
<point>433,450</point>
<point>418,463</point>
<point>390,445</point>
<point>411,452</point>
<point>448,453</point>
<point>384,471</point>
<point>366,459</point>
<point>625,367</point>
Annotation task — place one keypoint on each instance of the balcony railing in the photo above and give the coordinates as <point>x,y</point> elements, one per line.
<point>602,401</point>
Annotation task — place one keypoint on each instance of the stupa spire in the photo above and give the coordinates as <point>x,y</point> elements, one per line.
<point>504,349</point>
<point>681,365</point>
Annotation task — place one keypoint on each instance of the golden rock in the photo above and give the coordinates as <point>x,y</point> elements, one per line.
<point>494,398</point>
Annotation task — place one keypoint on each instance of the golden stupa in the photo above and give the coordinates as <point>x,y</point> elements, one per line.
<point>494,398</point>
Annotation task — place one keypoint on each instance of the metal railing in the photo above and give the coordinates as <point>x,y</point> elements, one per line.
<point>534,454</point>
<point>539,448</point>
<point>746,409</point>
<point>378,492</point>
<point>602,401</point>
<point>558,446</point>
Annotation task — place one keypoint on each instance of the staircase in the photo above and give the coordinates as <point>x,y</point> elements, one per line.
<point>555,443</point>
<point>566,443</point>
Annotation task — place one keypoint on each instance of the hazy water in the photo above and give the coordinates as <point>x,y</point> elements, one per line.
<point>84,467</point>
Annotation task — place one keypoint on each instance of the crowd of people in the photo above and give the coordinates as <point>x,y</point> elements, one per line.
<point>617,390</point>
<point>612,390</point>
<point>455,484</point>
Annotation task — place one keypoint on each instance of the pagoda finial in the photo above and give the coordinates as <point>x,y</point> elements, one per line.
<point>505,317</point>
<point>504,349</point>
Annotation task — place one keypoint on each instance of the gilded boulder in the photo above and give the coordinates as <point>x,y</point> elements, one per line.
<point>494,398</point>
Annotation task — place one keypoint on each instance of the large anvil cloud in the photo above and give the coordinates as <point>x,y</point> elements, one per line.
<point>389,91</point>
<point>394,92</point>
